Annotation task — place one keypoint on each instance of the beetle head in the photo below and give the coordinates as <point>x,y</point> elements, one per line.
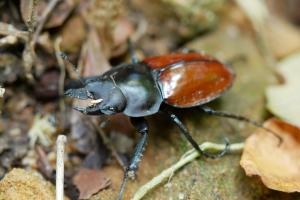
<point>105,97</point>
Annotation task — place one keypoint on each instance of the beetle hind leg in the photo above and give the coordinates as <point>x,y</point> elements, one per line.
<point>211,111</point>
<point>142,127</point>
<point>188,136</point>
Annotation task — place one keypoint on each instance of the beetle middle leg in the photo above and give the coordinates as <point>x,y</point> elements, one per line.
<point>142,127</point>
<point>188,136</point>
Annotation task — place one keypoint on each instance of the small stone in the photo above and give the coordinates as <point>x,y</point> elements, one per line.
<point>21,184</point>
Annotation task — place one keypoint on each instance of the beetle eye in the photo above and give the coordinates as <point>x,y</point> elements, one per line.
<point>111,109</point>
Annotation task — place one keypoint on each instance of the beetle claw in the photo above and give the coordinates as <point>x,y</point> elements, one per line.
<point>79,93</point>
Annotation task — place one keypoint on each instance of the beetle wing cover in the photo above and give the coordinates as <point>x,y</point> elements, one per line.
<point>159,62</point>
<point>193,83</point>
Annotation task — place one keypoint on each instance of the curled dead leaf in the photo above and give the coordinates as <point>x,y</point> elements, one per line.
<point>90,181</point>
<point>277,165</point>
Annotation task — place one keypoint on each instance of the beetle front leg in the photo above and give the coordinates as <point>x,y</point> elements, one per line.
<point>188,136</point>
<point>142,127</point>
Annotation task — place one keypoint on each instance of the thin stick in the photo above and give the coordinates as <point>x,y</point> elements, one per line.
<point>60,144</point>
<point>44,18</point>
<point>188,157</point>
<point>2,91</point>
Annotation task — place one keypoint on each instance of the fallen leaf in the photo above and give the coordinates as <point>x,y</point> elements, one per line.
<point>283,100</point>
<point>89,182</point>
<point>277,165</point>
<point>72,40</point>
<point>94,59</point>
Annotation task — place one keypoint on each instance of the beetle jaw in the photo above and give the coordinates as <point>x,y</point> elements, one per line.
<point>80,93</point>
<point>93,107</point>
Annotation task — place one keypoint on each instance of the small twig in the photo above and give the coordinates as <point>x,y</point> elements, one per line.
<point>188,157</point>
<point>60,144</point>
<point>44,164</point>
<point>2,91</point>
<point>31,22</point>
<point>10,30</point>
<point>52,4</point>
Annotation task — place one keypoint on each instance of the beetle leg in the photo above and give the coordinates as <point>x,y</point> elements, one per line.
<point>188,136</point>
<point>134,58</point>
<point>142,127</point>
<point>210,111</point>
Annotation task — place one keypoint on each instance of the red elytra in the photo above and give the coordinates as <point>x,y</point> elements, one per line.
<point>192,79</point>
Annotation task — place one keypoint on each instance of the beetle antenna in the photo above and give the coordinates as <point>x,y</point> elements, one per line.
<point>113,80</point>
<point>75,68</point>
<point>133,55</point>
<point>210,111</point>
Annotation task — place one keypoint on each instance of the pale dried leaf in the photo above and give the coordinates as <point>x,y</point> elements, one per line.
<point>277,165</point>
<point>41,130</point>
<point>2,91</point>
<point>89,182</point>
<point>283,100</point>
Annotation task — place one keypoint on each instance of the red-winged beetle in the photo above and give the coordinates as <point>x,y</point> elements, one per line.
<point>140,89</point>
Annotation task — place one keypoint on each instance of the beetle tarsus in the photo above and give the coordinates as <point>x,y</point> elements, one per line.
<point>188,136</point>
<point>142,127</point>
<point>211,111</point>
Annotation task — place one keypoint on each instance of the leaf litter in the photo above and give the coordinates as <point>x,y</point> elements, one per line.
<point>277,165</point>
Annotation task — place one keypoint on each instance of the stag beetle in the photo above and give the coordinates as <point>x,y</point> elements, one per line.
<point>140,89</point>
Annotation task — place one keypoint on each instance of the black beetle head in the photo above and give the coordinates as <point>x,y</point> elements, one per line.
<point>105,97</point>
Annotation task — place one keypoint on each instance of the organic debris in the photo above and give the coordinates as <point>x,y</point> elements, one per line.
<point>276,165</point>
<point>41,130</point>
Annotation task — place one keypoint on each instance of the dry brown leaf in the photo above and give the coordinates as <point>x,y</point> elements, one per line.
<point>277,166</point>
<point>90,181</point>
